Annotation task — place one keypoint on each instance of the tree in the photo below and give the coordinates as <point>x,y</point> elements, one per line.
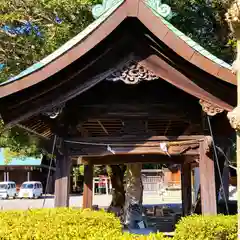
<point>32,29</point>
<point>205,22</point>
<point>116,173</point>
<point>19,143</point>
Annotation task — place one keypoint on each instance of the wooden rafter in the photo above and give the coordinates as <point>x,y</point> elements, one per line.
<point>102,126</point>
<point>84,132</point>
<point>146,126</point>
<point>166,130</point>
<point>190,129</point>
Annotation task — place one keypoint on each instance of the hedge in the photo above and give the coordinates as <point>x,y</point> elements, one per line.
<point>207,228</point>
<point>58,224</point>
<point>63,223</point>
<point>75,224</point>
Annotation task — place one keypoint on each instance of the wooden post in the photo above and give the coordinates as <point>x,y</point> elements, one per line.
<point>207,181</point>
<point>88,185</point>
<point>62,180</point>
<point>186,189</point>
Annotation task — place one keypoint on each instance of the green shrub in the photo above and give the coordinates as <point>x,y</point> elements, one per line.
<point>65,224</point>
<point>75,224</point>
<point>207,228</point>
<point>59,224</point>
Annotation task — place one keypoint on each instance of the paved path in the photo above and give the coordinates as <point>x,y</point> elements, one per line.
<point>75,201</point>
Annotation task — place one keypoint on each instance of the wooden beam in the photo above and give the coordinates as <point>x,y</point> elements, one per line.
<point>186,189</point>
<point>121,159</point>
<point>103,151</point>
<point>166,130</point>
<point>134,145</point>
<point>88,185</point>
<point>103,128</point>
<point>146,126</point>
<point>62,180</point>
<point>33,132</point>
<point>136,139</point>
<point>191,128</point>
<point>207,181</point>
<point>133,109</point>
<point>84,132</point>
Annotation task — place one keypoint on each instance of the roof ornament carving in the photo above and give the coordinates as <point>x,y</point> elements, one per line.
<point>209,108</point>
<point>99,9</point>
<point>132,73</point>
<point>160,8</point>
<point>234,118</point>
<point>54,112</point>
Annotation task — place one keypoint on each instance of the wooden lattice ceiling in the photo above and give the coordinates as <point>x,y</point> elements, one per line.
<point>111,127</point>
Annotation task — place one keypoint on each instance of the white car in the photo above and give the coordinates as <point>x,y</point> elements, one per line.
<point>8,189</point>
<point>31,190</point>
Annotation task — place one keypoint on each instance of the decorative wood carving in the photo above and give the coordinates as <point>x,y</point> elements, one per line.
<point>54,112</point>
<point>132,73</point>
<point>209,108</point>
<point>207,144</point>
<point>234,118</point>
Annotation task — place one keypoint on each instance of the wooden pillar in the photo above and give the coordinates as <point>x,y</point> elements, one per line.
<point>207,180</point>
<point>186,181</point>
<point>88,185</point>
<point>62,180</point>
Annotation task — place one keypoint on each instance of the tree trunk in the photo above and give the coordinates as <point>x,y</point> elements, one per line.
<point>118,193</point>
<point>134,192</point>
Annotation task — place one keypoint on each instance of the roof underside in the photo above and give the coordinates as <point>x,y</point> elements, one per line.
<point>115,39</point>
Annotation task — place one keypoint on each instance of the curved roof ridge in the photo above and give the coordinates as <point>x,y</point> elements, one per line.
<point>106,11</point>
<point>68,45</point>
<point>159,12</point>
<point>196,46</point>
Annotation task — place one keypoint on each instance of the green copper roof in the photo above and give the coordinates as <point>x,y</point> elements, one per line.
<point>164,14</point>
<point>101,12</point>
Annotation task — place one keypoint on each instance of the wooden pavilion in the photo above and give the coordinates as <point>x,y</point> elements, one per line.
<point>129,88</point>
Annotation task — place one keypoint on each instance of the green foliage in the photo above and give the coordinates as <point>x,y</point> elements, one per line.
<point>48,25</point>
<point>204,22</point>
<point>59,224</point>
<point>9,155</point>
<point>207,228</point>
<point>18,143</point>
<point>97,170</point>
<point>63,224</point>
